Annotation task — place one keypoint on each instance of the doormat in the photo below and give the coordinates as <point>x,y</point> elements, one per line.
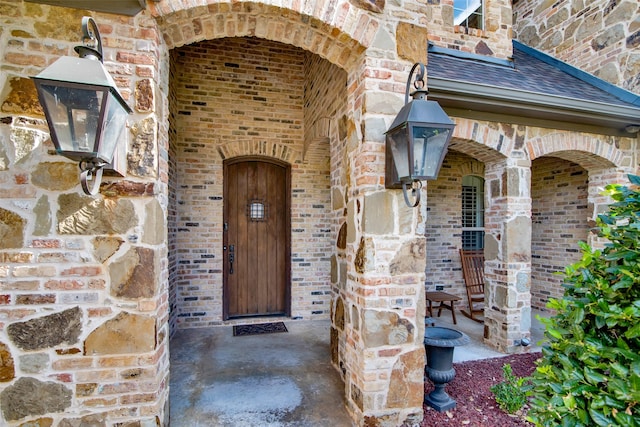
<point>261,328</point>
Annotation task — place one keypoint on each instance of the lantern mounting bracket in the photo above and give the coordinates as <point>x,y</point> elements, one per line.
<point>416,187</point>
<point>418,83</point>
<point>91,171</point>
<point>92,43</point>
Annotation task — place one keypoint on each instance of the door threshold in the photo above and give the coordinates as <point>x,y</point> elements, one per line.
<point>255,320</point>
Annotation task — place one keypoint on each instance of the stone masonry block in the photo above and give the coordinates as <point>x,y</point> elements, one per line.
<point>378,216</point>
<point>87,216</point>
<point>382,328</point>
<point>410,258</point>
<point>411,42</point>
<point>11,229</point>
<point>125,334</point>
<point>134,275</point>
<point>30,397</point>
<point>47,331</point>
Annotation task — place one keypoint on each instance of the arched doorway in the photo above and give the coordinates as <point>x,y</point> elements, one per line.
<point>229,105</point>
<point>251,191</point>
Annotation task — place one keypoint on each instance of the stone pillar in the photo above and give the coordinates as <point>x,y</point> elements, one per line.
<point>507,254</point>
<point>84,335</point>
<point>382,298</point>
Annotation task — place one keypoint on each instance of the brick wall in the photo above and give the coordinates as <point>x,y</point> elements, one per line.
<point>227,104</point>
<point>444,224</point>
<point>325,107</point>
<point>560,219</point>
<point>172,208</point>
<point>601,37</point>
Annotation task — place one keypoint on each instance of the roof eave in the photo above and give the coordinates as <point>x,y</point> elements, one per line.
<point>530,107</point>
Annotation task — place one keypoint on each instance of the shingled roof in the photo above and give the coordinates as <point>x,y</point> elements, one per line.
<point>531,88</point>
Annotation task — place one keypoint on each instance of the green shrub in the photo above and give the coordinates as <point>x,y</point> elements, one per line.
<point>590,371</point>
<point>511,394</point>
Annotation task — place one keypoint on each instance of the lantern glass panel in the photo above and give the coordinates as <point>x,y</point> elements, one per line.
<point>398,139</point>
<point>429,148</point>
<point>74,115</point>
<point>112,128</point>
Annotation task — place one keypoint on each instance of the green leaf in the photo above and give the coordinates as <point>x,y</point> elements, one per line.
<point>578,315</point>
<point>569,421</point>
<point>619,369</point>
<point>569,402</point>
<point>554,333</point>
<point>625,419</point>
<point>599,418</point>
<point>634,179</point>
<point>593,377</point>
<point>633,332</point>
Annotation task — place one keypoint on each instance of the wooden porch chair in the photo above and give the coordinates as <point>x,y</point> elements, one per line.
<point>473,272</point>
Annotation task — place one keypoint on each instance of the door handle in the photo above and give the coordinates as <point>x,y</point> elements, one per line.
<point>232,257</point>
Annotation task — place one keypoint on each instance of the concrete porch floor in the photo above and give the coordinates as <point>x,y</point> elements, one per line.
<point>275,380</point>
<point>475,330</point>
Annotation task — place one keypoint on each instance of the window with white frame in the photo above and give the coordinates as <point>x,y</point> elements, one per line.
<point>472,212</point>
<point>469,13</point>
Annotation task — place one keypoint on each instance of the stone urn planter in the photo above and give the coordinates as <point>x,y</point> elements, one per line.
<point>439,344</point>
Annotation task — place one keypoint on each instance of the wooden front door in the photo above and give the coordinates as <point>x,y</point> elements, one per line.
<point>256,238</point>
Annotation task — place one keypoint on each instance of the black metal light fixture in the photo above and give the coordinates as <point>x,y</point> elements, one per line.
<point>417,139</point>
<point>85,112</point>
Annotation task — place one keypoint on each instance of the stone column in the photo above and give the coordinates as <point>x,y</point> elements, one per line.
<point>507,254</point>
<point>382,302</point>
<point>84,289</point>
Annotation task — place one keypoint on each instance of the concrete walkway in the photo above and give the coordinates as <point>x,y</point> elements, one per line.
<point>275,380</point>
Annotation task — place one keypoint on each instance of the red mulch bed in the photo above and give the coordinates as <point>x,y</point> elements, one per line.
<point>476,405</point>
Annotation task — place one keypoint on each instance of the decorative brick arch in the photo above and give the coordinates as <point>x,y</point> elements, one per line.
<point>472,168</point>
<point>340,35</point>
<point>589,151</point>
<point>481,141</point>
<point>274,150</point>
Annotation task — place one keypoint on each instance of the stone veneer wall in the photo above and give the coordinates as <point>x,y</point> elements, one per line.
<point>560,219</point>
<point>494,40</point>
<point>601,37</point>
<point>228,106</point>
<point>83,284</point>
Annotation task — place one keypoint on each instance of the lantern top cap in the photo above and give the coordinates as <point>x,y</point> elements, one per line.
<point>81,71</point>
<point>423,112</point>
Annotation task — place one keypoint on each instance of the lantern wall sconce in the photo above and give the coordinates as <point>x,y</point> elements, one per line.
<point>84,110</point>
<point>416,141</point>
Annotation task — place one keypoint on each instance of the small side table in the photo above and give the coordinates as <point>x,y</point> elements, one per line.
<point>446,300</point>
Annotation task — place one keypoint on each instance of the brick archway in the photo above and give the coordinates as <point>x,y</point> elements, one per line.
<point>301,24</point>
<point>589,151</point>
<point>482,140</point>
<point>600,156</point>
<point>324,52</point>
